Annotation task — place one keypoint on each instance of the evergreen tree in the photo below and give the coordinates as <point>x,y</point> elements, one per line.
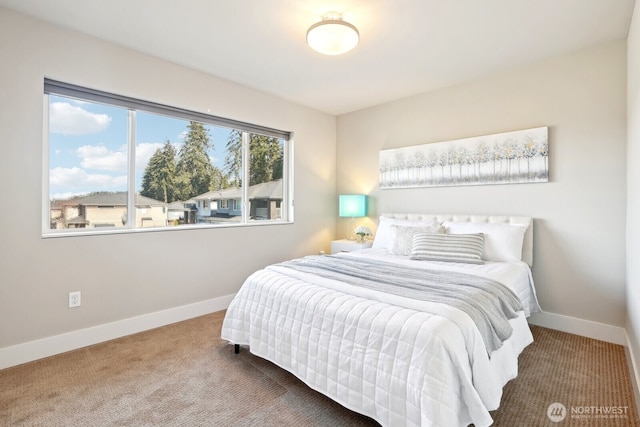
<point>265,158</point>
<point>219,180</point>
<point>278,163</point>
<point>194,167</point>
<point>233,159</point>
<point>265,153</point>
<point>158,181</point>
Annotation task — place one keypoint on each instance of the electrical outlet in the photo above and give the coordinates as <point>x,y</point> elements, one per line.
<point>74,299</point>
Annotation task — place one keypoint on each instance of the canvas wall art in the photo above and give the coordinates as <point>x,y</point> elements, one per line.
<point>504,158</point>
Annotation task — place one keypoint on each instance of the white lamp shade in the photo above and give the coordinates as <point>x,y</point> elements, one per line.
<point>332,36</point>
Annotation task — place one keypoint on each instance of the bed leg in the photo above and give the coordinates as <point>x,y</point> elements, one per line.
<point>236,348</point>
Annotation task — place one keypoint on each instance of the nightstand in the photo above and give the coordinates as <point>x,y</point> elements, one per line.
<point>345,245</point>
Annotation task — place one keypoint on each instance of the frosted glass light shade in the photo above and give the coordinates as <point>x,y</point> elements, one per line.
<point>352,205</point>
<point>332,36</point>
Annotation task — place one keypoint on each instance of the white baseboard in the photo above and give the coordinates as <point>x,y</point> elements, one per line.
<point>585,328</point>
<point>633,371</point>
<point>33,350</point>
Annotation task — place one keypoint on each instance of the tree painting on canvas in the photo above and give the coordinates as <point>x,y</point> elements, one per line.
<point>505,158</point>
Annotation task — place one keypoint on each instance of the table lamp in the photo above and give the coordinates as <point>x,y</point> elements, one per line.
<point>352,206</point>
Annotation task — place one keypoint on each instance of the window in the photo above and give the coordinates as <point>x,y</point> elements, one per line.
<point>117,164</point>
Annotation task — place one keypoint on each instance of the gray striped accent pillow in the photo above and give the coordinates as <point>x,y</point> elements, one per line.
<point>466,248</point>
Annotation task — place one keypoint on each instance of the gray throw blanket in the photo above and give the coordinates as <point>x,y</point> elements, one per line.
<point>490,304</point>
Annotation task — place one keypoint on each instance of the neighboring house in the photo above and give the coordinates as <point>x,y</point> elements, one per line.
<point>175,212</point>
<point>106,209</point>
<point>189,212</point>
<point>206,204</point>
<point>218,205</point>
<point>265,202</point>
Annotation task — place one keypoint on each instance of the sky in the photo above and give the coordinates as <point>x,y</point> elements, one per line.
<point>88,145</point>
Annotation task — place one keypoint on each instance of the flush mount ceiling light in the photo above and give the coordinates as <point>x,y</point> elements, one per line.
<point>332,35</point>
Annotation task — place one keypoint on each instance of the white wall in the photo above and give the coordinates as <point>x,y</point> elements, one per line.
<point>633,189</point>
<point>579,244</point>
<point>122,276</point>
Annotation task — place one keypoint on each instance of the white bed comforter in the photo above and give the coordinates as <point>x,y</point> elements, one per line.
<point>400,361</point>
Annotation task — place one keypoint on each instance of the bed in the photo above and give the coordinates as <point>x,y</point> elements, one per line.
<point>360,328</point>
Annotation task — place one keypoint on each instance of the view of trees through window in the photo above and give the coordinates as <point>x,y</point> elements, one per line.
<point>183,172</point>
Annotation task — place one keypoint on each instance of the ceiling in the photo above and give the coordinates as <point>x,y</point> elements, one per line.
<point>406,46</point>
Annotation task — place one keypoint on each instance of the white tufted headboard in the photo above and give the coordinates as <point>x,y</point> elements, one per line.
<point>527,245</point>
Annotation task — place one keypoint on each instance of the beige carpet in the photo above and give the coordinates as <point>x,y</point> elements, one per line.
<point>184,375</point>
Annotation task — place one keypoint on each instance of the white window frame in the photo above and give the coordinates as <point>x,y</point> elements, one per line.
<point>53,87</point>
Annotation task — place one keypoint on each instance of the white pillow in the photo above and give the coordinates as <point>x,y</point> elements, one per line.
<point>502,242</point>
<point>401,241</point>
<point>382,239</point>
